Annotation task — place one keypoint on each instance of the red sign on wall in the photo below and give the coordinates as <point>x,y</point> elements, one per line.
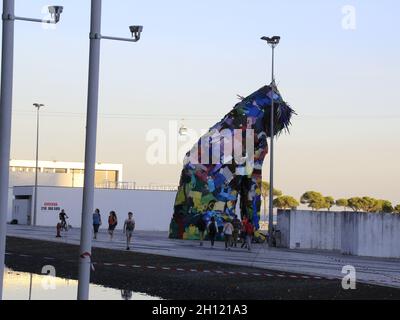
<point>50,206</point>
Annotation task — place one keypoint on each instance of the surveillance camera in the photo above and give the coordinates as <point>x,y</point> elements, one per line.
<point>55,12</point>
<point>273,40</point>
<point>136,31</point>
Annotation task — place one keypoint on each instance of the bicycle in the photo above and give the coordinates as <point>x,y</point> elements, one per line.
<point>65,226</point>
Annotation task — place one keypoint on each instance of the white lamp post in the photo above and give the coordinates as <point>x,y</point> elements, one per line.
<point>90,146</point>
<point>7,66</point>
<point>37,106</point>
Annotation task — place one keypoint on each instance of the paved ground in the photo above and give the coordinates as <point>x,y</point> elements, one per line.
<point>379,271</point>
<point>181,278</point>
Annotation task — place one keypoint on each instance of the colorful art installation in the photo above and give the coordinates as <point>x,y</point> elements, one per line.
<point>225,166</point>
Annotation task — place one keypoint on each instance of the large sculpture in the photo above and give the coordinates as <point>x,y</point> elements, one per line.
<point>226,165</point>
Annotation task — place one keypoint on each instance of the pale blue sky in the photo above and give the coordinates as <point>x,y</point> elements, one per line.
<point>194,57</point>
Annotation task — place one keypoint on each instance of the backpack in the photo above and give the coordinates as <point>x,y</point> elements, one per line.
<point>249,228</point>
<point>236,224</point>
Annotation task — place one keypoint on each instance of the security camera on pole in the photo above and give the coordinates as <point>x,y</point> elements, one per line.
<point>7,66</point>
<point>90,146</point>
<point>273,42</point>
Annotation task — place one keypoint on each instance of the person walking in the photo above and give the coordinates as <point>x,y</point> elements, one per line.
<point>201,225</point>
<point>112,223</point>
<point>129,227</point>
<point>212,231</point>
<point>237,226</point>
<point>243,232</point>
<point>228,231</point>
<point>249,234</point>
<point>96,222</point>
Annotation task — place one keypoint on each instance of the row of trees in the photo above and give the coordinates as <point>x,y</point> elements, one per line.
<point>316,201</point>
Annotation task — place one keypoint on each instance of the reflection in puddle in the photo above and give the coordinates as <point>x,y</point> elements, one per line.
<point>27,286</point>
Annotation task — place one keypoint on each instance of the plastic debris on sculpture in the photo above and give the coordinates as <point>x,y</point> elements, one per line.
<point>225,167</point>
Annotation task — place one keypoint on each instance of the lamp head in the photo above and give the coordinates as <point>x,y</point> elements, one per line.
<point>55,12</point>
<point>136,31</point>
<point>274,41</point>
<point>38,105</point>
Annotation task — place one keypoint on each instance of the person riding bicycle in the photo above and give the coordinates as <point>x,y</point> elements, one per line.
<point>63,218</point>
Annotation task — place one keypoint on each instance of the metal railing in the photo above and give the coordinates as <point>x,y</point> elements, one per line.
<point>131,185</point>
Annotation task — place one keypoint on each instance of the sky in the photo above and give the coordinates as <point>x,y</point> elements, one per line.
<point>340,71</point>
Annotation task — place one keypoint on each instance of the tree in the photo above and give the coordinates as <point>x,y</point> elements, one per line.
<point>397,209</point>
<point>286,202</point>
<point>355,203</point>
<point>265,194</point>
<point>374,205</point>
<point>329,202</point>
<point>315,200</point>
<point>387,206</point>
<point>369,204</point>
<point>342,203</point>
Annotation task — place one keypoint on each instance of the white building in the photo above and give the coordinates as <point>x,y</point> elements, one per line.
<point>60,174</point>
<point>152,208</point>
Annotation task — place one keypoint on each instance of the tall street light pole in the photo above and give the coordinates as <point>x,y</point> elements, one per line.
<point>90,144</point>
<point>273,42</point>
<point>37,106</point>
<point>7,66</point>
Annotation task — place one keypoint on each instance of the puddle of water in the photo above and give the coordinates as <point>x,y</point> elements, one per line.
<point>28,286</point>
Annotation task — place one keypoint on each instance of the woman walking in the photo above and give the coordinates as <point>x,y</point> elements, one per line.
<point>212,231</point>
<point>249,234</point>
<point>96,222</point>
<point>228,231</point>
<point>112,223</point>
<point>201,226</point>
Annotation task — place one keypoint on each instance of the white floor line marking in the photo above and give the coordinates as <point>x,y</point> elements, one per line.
<point>166,268</point>
<point>122,265</point>
<point>244,273</point>
<point>256,274</point>
<point>136,266</point>
<point>281,276</point>
<point>206,271</point>
<point>150,267</point>
<point>193,270</point>
<point>179,269</point>
<point>107,264</point>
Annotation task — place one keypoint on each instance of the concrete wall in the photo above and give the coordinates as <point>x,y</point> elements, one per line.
<point>152,209</point>
<point>364,234</point>
<point>371,234</point>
